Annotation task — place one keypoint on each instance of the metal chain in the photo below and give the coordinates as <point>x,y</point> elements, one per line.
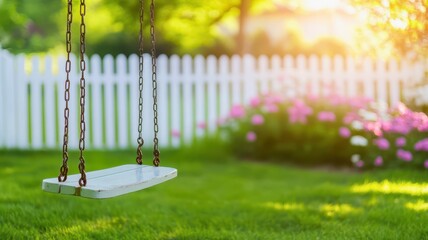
<point>156,159</point>
<point>62,177</point>
<point>140,140</point>
<point>82,180</point>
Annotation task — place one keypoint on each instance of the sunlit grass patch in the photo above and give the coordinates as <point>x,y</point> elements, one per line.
<point>418,206</point>
<point>284,206</point>
<point>332,210</point>
<point>388,187</point>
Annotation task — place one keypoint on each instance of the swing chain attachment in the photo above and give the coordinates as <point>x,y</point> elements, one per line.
<point>156,159</point>
<point>140,140</point>
<point>62,177</point>
<point>82,180</point>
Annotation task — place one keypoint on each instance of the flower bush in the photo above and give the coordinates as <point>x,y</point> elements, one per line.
<point>332,130</point>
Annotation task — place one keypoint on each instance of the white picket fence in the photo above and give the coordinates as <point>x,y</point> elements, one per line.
<point>192,91</point>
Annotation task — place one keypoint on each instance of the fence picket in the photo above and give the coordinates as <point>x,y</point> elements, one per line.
<point>275,74</point>
<point>224,94</point>
<point>36,106</point>
<point>263,66</point>
<point>49,97</point>
<point>175,100</point>
<point>367,78</point>
<point>134,98</point>
<point>212,93</point>
<point>289,77</point>
<point>21,99</point>
<point>164,130</point>
<point>148,131</point>
<point>200,92</point>
<point>313,76</point>
<point>381,87</point>
<point>301,72</point>
<point>9,103</point>
<point>2,101</point>
<point>350,77</point>
<point>74,117</point>
<point>248,78</point>
<point>188,124</point>
<point>338,73</point>
<point>109,101</point>
<point>96,99</point>
<point>326,76</point>
<point>122,102</point>
<point>236,80</point>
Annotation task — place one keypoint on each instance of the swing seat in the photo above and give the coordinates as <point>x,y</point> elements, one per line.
<point>111,182</point>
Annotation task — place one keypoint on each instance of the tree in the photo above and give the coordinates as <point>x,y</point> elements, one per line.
<point>182,26</point>
<point>403,24</point>
<point>25,26</point>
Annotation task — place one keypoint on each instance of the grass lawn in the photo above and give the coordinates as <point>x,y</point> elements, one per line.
<point>214,197</point>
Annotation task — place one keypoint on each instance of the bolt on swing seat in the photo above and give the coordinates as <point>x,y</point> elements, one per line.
<point>118,180</point>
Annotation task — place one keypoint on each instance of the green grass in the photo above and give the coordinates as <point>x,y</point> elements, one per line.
<point>214,197</point>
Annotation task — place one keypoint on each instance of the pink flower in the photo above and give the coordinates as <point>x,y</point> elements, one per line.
<point>400,142</point>
<point>271,108</point>
<point>426,164</point>
<point>312,97</point>
<point>251,136</point>
<point>422,145</point>
<point>336,100</point>
<point>359,102</point>
<point>257,119</point>
<point>273,99</point>
<point>326,116</point>
<point>378,161</point>
<point>255,102</point>
<point>202,125</point>
<point>386,126</point>
<point>381,143</point>
<point>350,117</point>
<point>298,112</point>
<point>375,127</point>
<point>175,133</point>
<point>404,155</point>
<point>401,108</point>
<point>221,121</point>
<point>237,111</point>
<point>344,132</point>
<point>359,164</point>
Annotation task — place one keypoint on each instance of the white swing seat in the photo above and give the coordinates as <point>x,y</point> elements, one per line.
<point>111,182</point>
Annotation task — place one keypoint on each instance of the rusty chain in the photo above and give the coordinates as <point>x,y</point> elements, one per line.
<point>156,153</point>
<point>82,180</point>
<point>62,177</point>
<point>140,140</point>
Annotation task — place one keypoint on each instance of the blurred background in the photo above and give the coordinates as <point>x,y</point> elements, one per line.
<point>329,98</point>
<point>344,27</point>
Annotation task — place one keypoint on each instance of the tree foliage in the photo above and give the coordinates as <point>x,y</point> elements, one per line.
<point>29,26</point>
<point>404,24</point>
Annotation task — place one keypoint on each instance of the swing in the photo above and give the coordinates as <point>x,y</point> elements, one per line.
<point>118,180</point>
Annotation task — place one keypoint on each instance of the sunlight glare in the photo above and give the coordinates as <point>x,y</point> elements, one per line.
<point>418,206</point>
<point>331,210</point>
<point>320,4</point>
<point>284,206</point>
<point>387,187</point>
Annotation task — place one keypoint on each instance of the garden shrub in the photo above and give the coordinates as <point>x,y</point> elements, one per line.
<point>331,130</point>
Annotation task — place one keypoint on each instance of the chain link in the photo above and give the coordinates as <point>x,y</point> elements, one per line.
<point>62,177</point>
<point>82,180</point>
<point>156,153</point>
<point>140,140</point>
